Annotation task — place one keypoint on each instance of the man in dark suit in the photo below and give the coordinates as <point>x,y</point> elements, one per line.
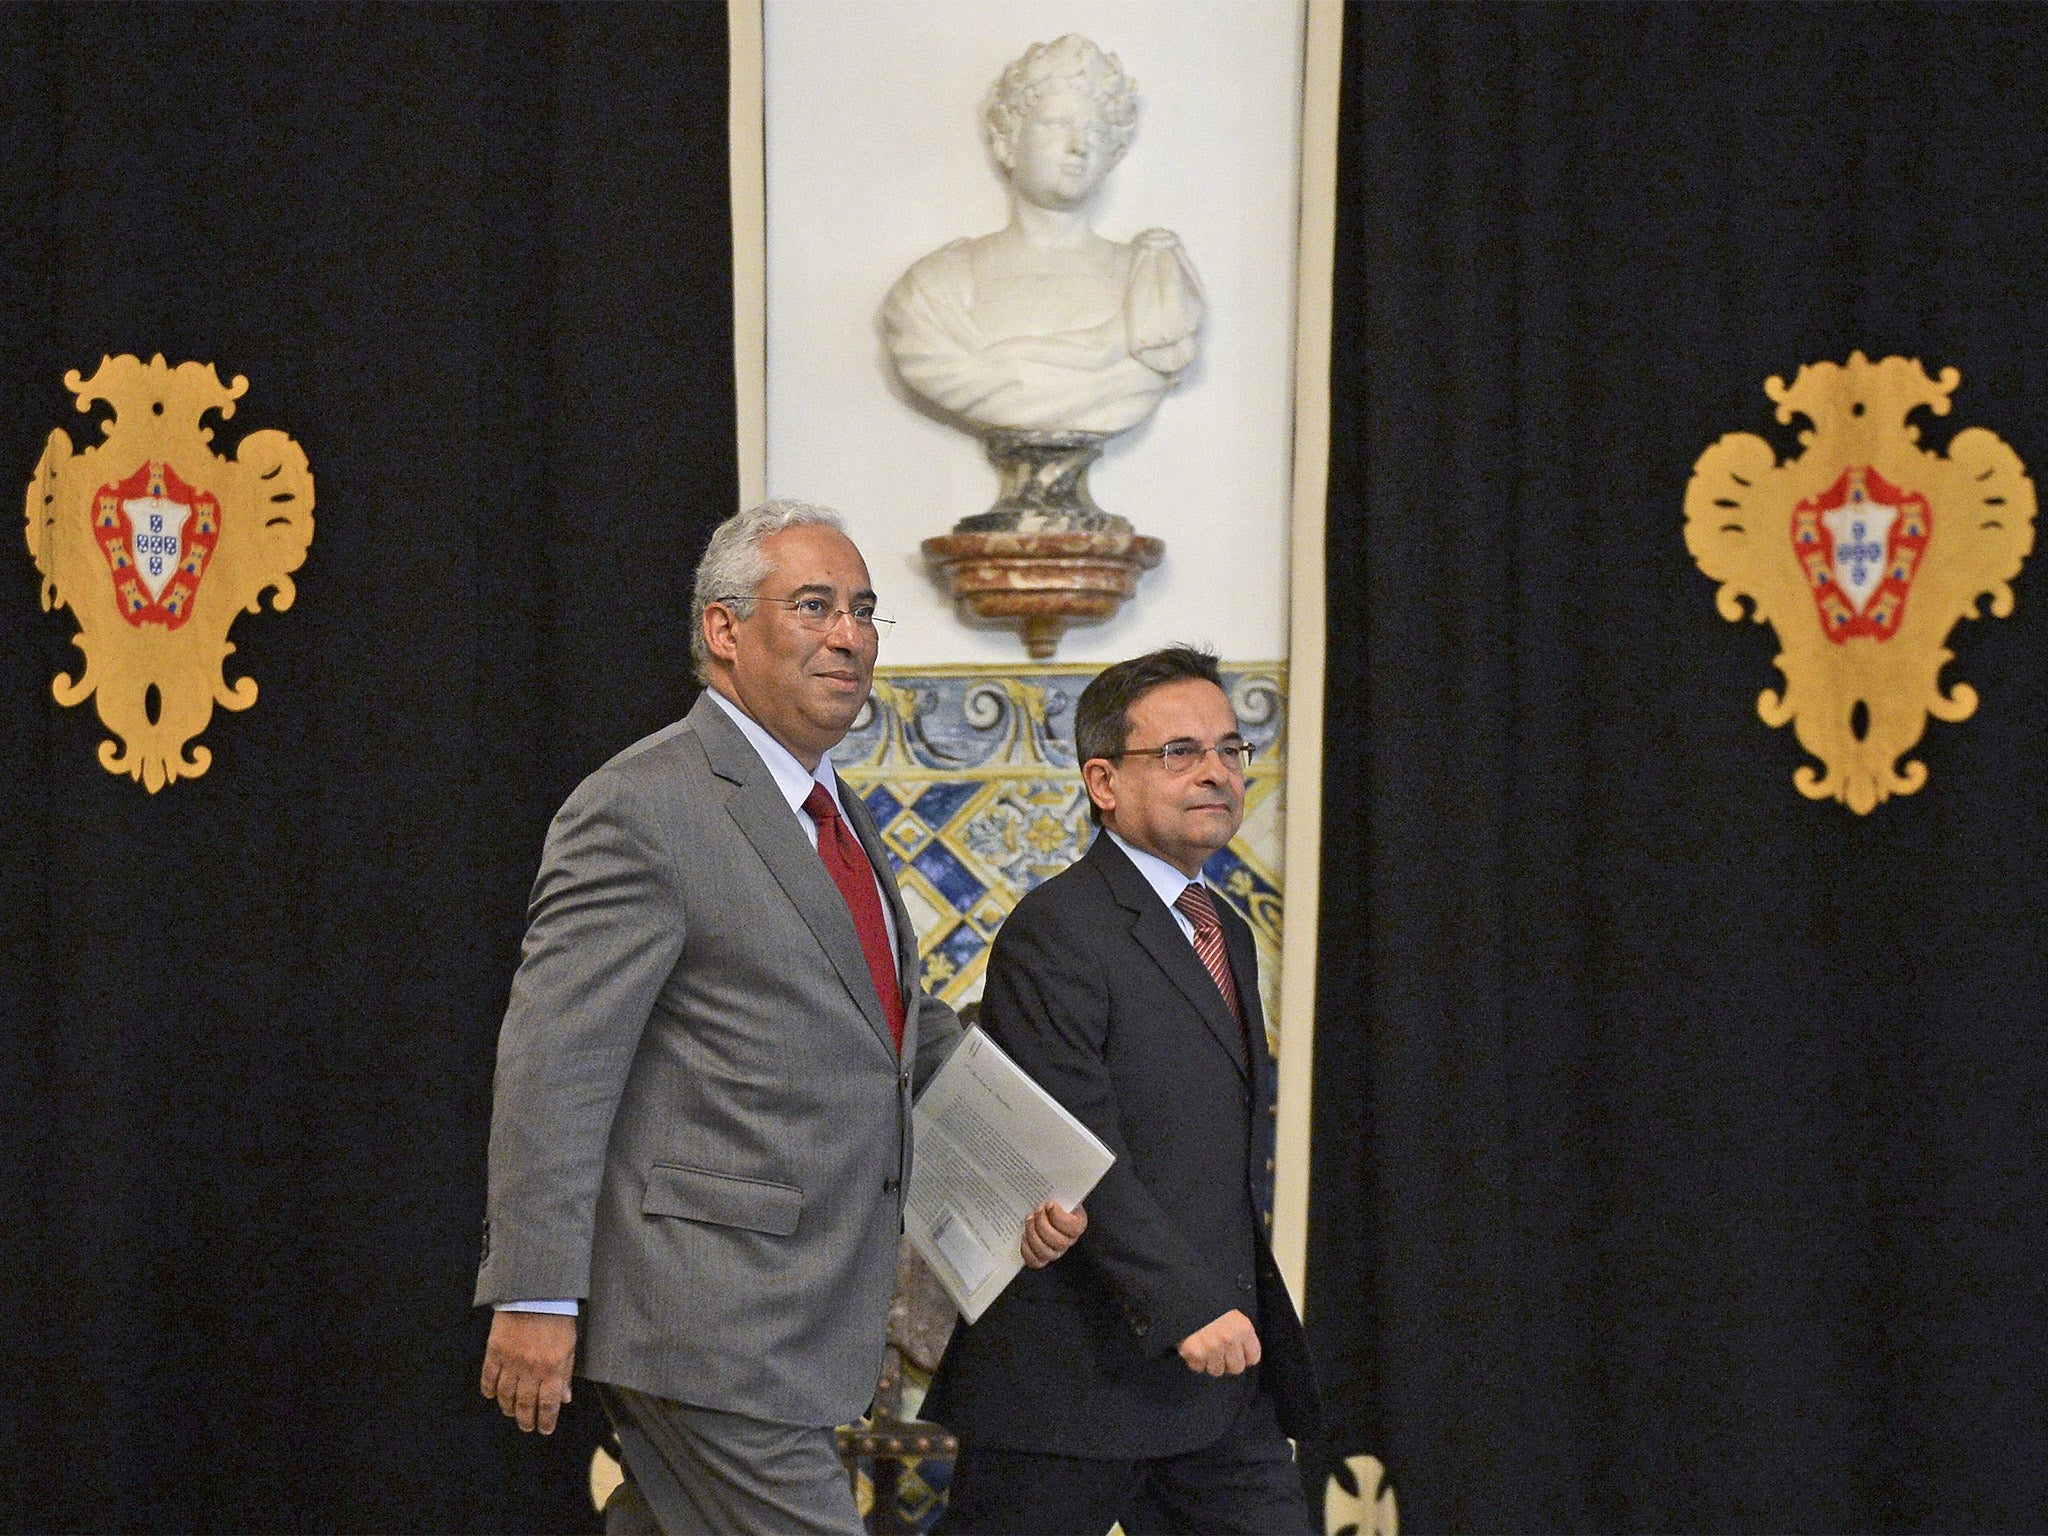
<point>1152,1378</point>
<point>701,1126</point>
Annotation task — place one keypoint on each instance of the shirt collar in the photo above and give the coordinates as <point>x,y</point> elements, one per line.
<point>1160,875</point>
<point>791,777</point>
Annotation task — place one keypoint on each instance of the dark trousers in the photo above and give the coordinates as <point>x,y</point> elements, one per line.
<point>1246,1481</point>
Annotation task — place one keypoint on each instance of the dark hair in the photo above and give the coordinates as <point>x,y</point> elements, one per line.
<point>1102,719</point>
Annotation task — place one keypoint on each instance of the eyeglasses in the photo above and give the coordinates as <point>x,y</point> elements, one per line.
<point>816,613</point>
<point>1178,757</point>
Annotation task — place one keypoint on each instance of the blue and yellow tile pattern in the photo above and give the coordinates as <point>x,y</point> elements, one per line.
<point>970,775</point>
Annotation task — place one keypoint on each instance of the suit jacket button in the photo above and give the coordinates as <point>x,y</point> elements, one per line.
<point>891,1185</point>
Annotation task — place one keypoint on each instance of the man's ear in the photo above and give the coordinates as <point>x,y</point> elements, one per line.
<point>721,632</point>
<point>1099,774</point>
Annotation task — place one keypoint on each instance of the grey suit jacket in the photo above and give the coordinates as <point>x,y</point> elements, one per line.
<point>700,1125</point>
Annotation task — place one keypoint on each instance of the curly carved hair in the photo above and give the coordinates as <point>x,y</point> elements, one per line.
<point>1071,57</point>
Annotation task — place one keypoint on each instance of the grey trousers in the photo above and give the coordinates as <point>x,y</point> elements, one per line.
<point>699,1472</point>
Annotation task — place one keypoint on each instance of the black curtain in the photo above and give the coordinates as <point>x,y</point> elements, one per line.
<point>476,259</point>
<point>1679,1144</point>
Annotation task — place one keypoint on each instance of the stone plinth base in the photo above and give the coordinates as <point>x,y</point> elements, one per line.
<point>1042,582</point>
<point>1044,485</point>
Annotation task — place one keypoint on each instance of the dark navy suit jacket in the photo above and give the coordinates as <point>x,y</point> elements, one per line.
<point>1097,993</point>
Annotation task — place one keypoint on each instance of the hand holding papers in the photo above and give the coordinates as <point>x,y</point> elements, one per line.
<point>992,1146</point>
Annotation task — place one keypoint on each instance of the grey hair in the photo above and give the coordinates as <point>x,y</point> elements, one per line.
<point>734,565</point>
<point>1071,57</point>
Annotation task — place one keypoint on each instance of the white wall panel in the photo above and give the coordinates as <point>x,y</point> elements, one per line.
<point>875,156</point>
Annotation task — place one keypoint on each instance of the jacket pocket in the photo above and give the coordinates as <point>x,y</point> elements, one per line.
<point>723,1199</point>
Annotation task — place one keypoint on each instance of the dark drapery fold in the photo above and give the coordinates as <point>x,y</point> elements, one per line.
<point>477,260</point>
<point>1679,1143</point>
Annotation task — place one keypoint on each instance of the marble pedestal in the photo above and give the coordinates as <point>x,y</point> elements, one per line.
<point>1045,555</point>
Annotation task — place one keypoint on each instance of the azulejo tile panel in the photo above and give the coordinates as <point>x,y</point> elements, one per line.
<point>970,774</point>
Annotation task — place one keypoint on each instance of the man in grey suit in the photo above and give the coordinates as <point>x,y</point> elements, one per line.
<point>701,1127</point>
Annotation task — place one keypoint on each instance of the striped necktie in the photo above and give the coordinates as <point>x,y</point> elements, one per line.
<point>1195,905</point>
<point>1199,908</point>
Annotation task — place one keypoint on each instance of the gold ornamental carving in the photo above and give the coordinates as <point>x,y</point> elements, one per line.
<point>1861,552</point>
<point>155,543</point>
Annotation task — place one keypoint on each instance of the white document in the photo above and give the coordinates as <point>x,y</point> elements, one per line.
<point>992,1146</point>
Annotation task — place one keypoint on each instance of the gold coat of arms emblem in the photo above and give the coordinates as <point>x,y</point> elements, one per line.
<point>155,543</point>
<point>1862,553</point>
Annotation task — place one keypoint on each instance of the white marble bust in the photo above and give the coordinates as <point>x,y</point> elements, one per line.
<point>1045,326</point>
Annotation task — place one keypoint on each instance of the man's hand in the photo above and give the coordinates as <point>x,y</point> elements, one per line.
<point>1051,1232</point>
<point>527,1366</point>
<point>1226,1347</point>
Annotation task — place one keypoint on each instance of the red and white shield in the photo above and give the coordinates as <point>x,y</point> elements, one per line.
<point>1860,543</point>
<point>158,533</point>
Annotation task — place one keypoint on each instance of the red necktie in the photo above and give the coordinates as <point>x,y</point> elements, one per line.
<point>1195,905</point>
<point>847,862</point>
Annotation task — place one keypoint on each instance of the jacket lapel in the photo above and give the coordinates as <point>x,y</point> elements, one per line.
<point>766,821</point>
<point>1244,964</point>
<point>1244,970</point>
<point>1156,933</point>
